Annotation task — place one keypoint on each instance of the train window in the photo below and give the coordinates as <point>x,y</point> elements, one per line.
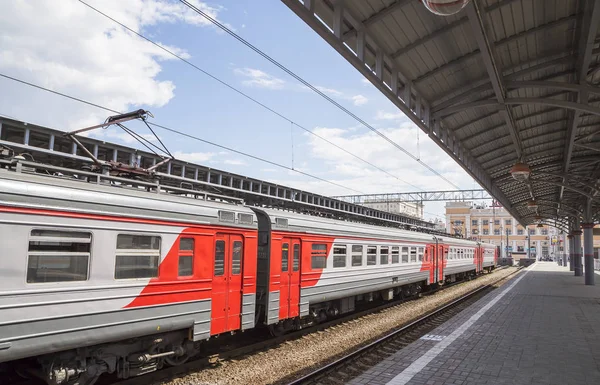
<point>339,255</point>
<point>395,254</point>
<point>413,254</point>
<point>236,258</point>
<point>186,257</point>
<point>384,255</point>
<point>296,260</point>
<point>371,255</point>
<point>58,256</point>
<point>420,254</point>
<point>357,255</point>
<point>405,254</point>
<point>285,250</point>
<point>219,258</point>
<point>137,256</point>
<point>318,256</point>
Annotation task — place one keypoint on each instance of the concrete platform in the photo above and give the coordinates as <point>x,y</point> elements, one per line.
<point>541,327</point>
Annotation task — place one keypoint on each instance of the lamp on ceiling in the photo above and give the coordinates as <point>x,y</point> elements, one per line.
<point>532,205</point>
<point>520,171</point>
<point>445,7</point>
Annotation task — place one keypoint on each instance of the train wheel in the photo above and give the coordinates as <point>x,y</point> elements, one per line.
<point>177,360</point>
<point>277,330</point>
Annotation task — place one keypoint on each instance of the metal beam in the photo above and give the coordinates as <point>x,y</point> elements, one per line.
<point>532,128</point>
<point>547,161</point>
<point>587,38</point>
<point>460,60</point>
<point>497,149</point>
<point>377,16</point>
<point>533,115</point>
<point>495,74</point>
<point>419,196</point>
<point>445,29</point>
<point>514,84</point>
<point>483,84</point>
<point>324,31</point>
<point>512,101</point>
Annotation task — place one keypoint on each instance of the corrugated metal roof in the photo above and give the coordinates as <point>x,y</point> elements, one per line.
<point>500,81</point>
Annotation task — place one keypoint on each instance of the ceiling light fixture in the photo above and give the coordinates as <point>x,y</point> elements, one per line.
<point>520,171</point>
<point>532,204</point>
<point>445,7</point>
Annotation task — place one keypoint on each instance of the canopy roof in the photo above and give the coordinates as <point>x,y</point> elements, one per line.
<point>498,82</point>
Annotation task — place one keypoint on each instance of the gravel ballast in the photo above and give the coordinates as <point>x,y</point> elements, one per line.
<point>293,356</point>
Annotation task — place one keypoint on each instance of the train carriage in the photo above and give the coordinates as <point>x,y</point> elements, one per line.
<point>312,268</point>
<point>87,264</point>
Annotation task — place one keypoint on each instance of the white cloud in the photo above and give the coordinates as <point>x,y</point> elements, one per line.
<point>365,81</point>
<point>194,157</point>
<point>72,49</point>
<point>234,162</point>
<point>341,167</point>
<point>382,115</point>
<point>113,134</point>
<point>330,91</point>
<point>268,170</point>
<point>359,100</point>
<point>258,78</point>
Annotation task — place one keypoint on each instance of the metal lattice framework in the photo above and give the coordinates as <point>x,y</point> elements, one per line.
<point>53,152</point>
<point>419,196</point>
<point>499,82</point>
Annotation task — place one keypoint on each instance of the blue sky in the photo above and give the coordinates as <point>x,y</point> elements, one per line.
<point>72,49</point>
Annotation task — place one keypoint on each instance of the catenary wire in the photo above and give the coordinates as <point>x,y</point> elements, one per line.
<point>313,88</point>
<point>180,133</point>
<point>222,82</point>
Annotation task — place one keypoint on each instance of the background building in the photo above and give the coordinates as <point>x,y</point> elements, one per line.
<point>493,224</point>
<point>413,209</point>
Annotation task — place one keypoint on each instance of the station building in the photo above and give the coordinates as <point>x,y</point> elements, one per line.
<point>493,224</point>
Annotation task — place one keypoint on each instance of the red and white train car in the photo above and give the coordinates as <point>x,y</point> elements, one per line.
<point>319,267</point>
<point>86,264</point>
<point>101,278</point>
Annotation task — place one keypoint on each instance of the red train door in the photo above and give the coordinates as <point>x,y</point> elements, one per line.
<point>289,294</point>
<point>431,258</point>
<point>227,284</point>
<point>294,304</point>
<point>441,256</point>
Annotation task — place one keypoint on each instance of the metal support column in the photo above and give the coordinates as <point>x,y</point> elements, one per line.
<point>565,257</point>
<point>577,250</point>
<point>588,252</point>
<point>571,251</point>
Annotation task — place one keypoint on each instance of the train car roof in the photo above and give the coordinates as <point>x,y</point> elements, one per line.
<point>68,194</point>
<point>289,221</point>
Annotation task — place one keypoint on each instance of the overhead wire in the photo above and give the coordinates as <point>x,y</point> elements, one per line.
<point>224,83</point>
<point>179,133</point>
<point>313,88</point>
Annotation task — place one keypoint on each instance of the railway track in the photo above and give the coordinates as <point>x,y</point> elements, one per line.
<point>351,365</point>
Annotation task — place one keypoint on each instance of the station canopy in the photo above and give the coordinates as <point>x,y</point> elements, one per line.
<point>497,85</point>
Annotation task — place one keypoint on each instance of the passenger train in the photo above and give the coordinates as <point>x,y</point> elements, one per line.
<point>99,279</point>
